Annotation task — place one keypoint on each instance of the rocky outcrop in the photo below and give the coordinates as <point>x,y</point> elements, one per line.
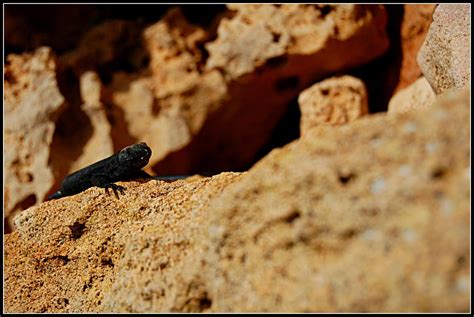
<point>319,225</point>
<point>210,106</point>
<point>445,57</point>
<point>369,216</point>
<point>334,101</point>
<point>87,252</point>
<point>418,95</point>
<point>32,102</point>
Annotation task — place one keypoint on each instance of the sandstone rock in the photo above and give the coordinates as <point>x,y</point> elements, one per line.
<point>418,95</point>
<point>92,252</point>
<point>32,102</point>
<point>260,32</point>
<point>371,216</point>
<point>99,145</point>
<point>215,114</point>
<point>445,57</point>
<point>414,27</point>
<point>333,101</point>
<point>381,226</point>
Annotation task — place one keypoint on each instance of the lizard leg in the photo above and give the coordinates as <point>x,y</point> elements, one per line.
<point>103,182</point>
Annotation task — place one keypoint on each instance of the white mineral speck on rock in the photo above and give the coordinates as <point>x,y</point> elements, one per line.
<point>431,147</point>
<point>409,127</point>
<point>447,206</point>
<point>405,170</point>
<point>409,235</point>
<point>378,185</point>
<point>462,284</point>
<point>370,235</point>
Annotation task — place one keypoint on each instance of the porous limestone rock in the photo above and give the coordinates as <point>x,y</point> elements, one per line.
<point>32,102</point>
<point>418,95</point>
<point>371,216</point>
<point>445,57</point>
<point>225,106</point>
<point>94,252</point>
<point>99,144</point>
<point>333,101</point>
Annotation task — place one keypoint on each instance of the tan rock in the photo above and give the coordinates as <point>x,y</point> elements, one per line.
<point>32,102</point>
<point>334,101</point>
<point>371,216</point>
<point>418,95</point>
<point>259,32</point>
<point>92,252</point>
<point>416,21</point>
<point>381,226</point>
<point>445,57</point>
<point>100,144</point>
<point>226,106</point>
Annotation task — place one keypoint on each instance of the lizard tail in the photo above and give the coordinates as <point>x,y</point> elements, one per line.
<point>56,195</point>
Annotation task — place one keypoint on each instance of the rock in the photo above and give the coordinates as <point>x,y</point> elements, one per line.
<point>445,57</point>
<point>92,252</point>
<point>381,226</point>
<point>371,216</point>
<point>32,102</point>
<point>100,144</point>
<point>207,114</point>
<point>258,33</point>
<point>418,95</point>
<point>334,101</point>
<point>414,27</point>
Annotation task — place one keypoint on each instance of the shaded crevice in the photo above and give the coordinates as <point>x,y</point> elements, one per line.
<point>77,230</point>
<point>72,126</point>
<point>381,76</point>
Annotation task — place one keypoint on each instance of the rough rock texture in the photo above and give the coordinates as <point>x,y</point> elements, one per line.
<point>92,252</point>
<point>371,216</point>
<point>414,27</point>
<point>99,144</point>
<point>418,95</point>
<point>445,57</point>
<point>210,107</point>
<point>32,102</point>
<point>333,101</point>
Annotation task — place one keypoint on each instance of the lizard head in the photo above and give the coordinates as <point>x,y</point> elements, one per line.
<point>136,155</point>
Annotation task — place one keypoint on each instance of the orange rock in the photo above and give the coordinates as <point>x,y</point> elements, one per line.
<point>334,101</point>
<point>414,27</point>
<point>215,114</point>
<point>369,216</point>
<point>84,253</point>
<point>32,102</point>
<point>418,95</point>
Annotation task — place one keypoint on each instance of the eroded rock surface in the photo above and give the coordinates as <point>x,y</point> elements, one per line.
<point>371,216</point>
<point>93,252</point>
<point>32,102</point>
<point>445,57</point>
<point>418,95</point>
<point>334,101</point>
<point>225,106</point>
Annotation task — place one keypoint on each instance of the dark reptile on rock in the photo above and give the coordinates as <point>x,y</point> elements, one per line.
<point>125,165</point>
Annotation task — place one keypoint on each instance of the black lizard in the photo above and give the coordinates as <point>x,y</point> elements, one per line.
<point>124,165</point>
